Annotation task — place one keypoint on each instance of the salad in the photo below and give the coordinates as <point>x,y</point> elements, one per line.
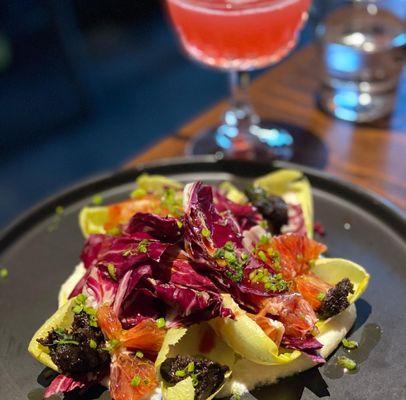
<point>194,292</point>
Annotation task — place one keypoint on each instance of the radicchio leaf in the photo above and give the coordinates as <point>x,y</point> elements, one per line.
<point>153,226</point>
<point>308,345</point>
<point>64,384</point>
<point>246,215</point>
<point>207,231</point>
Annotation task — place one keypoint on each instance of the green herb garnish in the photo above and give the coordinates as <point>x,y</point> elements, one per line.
<point>143,246</point>
<point>205,233</point>
<point>349,344</point>
<point>3,273</point>
<point>160,322</point>
<point>274,283</point>
<point>111,345</point>
<point>138,193</point>
<point>171,200</point>
<point>127,253</point>
<point>66,341</point>
<point>346,363</point>
<point>97,200</point>
<point>92,344</point>
<point>234,262</point>
<point>112,271</point>
<point>321,296</point>
<point>179,223</point>
<point>59,210</point>
<point>79,302</point>
<point>180,373</point>
<point>264,239</point>
<point>262,256</point>
<point>135,381</point>
<point>190,367</point>
<point>139,354</point>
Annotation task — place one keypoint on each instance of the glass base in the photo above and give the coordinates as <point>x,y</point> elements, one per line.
<point>266,142</point>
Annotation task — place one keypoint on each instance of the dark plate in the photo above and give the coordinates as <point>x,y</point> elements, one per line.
<point>359,227</point>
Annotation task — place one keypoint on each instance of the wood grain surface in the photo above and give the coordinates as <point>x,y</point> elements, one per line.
<point>373,156</point>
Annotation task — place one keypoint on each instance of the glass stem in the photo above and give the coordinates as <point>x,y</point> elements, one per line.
<point>241,114</point>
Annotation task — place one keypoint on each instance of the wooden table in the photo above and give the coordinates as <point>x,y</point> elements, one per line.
<point>371,156</point>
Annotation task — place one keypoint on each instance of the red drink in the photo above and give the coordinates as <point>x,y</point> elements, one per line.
<point>238,34</point>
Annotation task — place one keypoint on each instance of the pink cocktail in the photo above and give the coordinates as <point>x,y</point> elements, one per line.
<point>239,36</point>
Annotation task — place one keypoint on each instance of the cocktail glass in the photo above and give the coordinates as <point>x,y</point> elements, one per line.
<point>239,36</point>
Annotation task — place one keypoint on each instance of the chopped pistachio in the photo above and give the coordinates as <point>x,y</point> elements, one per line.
<point>59,210</point>
<point>135,381</point>
<point>139,354</point>
<point>346,363</point>
<point>349,344</point>
<point>264,239</point>
<point>190,367</point>
<point>97,200</point>
<point>3,273</point>
<point>205,233</point>
<point>321,296</point>
<point>138,193</point>
<point>160,322</point>
<point>262,256</point>
<point>112,271</point>
<point>143,246</point>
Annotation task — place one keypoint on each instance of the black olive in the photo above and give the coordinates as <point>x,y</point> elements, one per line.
<point>78,350</point>
<point>208,375</point>
<point>273,208</point>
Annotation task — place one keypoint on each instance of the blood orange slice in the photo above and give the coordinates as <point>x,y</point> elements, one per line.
<point>131,378</point>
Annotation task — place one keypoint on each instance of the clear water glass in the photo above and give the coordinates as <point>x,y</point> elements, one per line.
<point>361,45</point>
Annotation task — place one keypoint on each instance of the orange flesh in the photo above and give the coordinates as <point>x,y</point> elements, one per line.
<point>296,252</point>
<point>123,370</point>
<point>145,336</point>
<point>121,213</point>
<point>312,289</point>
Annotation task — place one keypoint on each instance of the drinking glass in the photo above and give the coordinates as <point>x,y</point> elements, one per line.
<point>239,36</point>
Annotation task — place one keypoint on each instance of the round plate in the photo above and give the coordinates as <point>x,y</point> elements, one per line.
<point>41,249</point>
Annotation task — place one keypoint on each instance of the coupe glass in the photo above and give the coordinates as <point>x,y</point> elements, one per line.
<point>239,36</point>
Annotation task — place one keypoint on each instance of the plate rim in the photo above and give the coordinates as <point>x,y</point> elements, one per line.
<point>383,208</point>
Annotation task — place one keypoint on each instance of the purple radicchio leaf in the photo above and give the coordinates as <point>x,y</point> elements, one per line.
<point>308,345</point>
<point>206,230</point>
<point>64,384</point>
<point>246,215</point>
<point>155,227</point>
<point>188,305</point>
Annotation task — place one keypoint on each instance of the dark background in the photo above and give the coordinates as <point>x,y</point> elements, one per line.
<point>85,84</point>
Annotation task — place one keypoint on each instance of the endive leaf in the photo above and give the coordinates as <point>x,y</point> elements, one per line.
<point>333,270</point>
<point>232,193</point>
<point>285,181</point>
<point>156,183</point>
<point>190,344</point>
<point>183,390</point>
<point>247,339</point>
<point>92,220</point>
<point>62,318</point>
<point>171,338</point>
